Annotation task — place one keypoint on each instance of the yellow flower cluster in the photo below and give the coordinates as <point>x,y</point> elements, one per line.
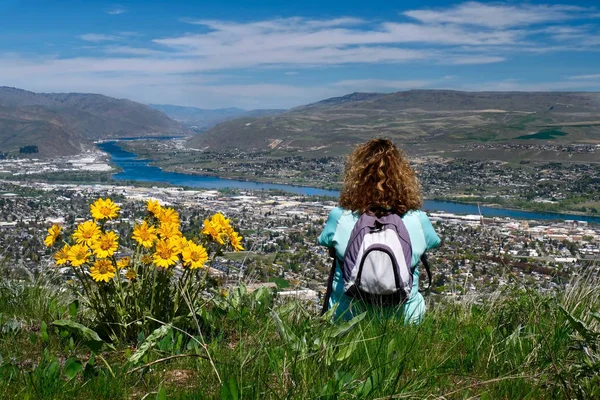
<point>166,238</point>
<point>93,245</point>
<point>219,228</point>
<point>159,237</point>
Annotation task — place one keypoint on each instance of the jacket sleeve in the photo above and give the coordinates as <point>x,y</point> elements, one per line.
<point>432,240</point>
<point>326,237</point>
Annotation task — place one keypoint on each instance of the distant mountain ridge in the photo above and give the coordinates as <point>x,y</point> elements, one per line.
<point>207,118</point>
<point>415,116</point>
<point>68,123</point>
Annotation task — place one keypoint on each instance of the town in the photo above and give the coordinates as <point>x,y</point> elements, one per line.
<point>478,254</point>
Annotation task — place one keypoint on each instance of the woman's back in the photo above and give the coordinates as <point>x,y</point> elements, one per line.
<point>336,235</point>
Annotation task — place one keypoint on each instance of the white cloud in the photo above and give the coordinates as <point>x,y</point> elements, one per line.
<point>98,37</point>
<point>117,10</point>
<point>585,77</point>
<point>521,86</point>
<point>498,15</point>
<point>468,59</point>
<point>374,85</point>
<point>134,51</point>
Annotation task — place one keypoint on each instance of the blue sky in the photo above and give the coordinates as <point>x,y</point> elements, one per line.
<point>279,54</point>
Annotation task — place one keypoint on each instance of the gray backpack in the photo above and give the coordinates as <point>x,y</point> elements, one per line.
<point>377,261</point>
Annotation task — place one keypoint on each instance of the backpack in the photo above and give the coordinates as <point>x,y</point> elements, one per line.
<point>368,224</point>
<point>377,262</point>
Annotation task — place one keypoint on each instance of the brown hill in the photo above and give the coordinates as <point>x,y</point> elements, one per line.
<point>65,124</point>
<point>416,116</point>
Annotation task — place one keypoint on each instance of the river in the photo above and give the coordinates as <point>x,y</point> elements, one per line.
<point>136,169</point>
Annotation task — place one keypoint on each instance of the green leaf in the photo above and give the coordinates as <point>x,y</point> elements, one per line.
<point>73,308</point>
<point>225,392</point>
<point>72,367</point>
<point>343,328</point>
<point>89,337</point>
<point>44,327</point>
<point>150,342</point>
<point>346,351</point>
<point>233,389</point>
<point>52,370</point>
<point>162,394</point>
<point>391,349</point>
<point>579,326</point>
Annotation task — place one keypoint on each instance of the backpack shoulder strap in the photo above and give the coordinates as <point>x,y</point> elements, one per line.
<point>329,288</point>
<point>426,265</point>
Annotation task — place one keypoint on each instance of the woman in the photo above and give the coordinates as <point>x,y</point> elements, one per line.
<point>378,177</point>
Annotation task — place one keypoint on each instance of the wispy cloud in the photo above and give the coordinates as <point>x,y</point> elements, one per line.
<point>98,37</point>
<point>498,15</point>
<point>375,85</point>
<point>116,10</point>
<point>585,77</point>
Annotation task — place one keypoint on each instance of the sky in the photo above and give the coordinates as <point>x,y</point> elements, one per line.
<point>281,54</point>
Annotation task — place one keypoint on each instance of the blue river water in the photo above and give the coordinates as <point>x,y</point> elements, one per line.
<point>136,169</point>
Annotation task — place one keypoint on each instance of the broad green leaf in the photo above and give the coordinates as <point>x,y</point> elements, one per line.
<point>162,394</point>
<point>346,351</point>
<point>72,367</point>
<point>285,332</point>
<point>344,327</point>
<point>233,389</point>
<point>150,342</point>
<point>391,349</point>
<point>90,338</point>
<point>225,391</point>
<point>73,308</point>
<point>579,326</point>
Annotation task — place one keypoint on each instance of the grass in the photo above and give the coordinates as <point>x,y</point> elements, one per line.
<point>515,344</point>
<point>546,134</point>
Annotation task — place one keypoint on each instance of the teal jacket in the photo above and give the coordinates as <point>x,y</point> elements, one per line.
<point>337,233</point>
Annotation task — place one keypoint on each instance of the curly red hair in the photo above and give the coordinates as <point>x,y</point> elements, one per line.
<point>378,176</point>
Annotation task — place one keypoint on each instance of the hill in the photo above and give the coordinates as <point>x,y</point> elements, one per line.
<point>417,116</point>
<point>67,123</point>
<point>202,119</point>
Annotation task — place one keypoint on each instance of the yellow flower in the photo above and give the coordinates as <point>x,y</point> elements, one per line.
<point>168,230</point>
<point>165,254</point>
<point>218,227</point>
<point>236,241</point>
<point>86,233</point>
<point>154,207</point>
<point>104,209</point>
<point>168,216</point>
<point>146,259</point>
<point>123,262</point>
<point>144,234</point>
<point>62,256</point>
<point>53,234</point>
<point>78,255</point>
<point>220,220</point>
<point>102,270</point>
<point>131,274</point>
<point>194,255</point>
<point>177,243</point>
<point>106,244</point>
